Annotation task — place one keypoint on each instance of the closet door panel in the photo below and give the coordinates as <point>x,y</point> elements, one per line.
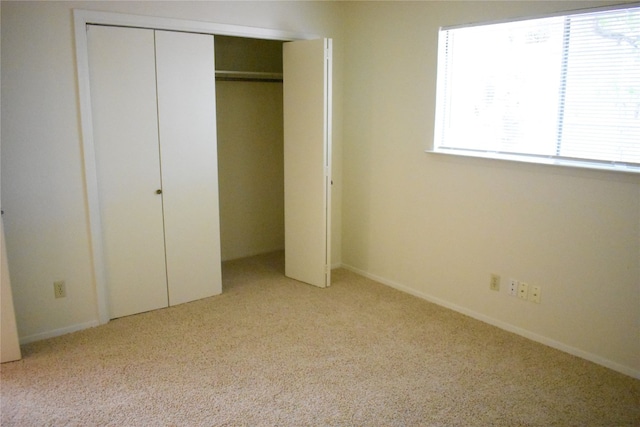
<point>123,94</point>
<point>9,341</point>
<point>187,126</point>
<point>307,160</point>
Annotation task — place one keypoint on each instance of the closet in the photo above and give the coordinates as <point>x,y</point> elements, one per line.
<point>154,128</point>
<point>149,125</point>
<point>270,134</point>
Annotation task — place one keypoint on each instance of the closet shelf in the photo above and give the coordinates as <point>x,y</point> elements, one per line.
<point>250,76</point>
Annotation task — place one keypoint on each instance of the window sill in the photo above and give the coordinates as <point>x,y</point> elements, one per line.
<point>541,160</point>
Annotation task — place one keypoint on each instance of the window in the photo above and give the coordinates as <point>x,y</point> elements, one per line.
<point>561,89</point>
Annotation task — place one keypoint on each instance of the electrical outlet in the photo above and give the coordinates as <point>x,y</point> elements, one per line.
<point>59,289</point>
<point>494,283</point>
<point>534,294</point>
<point>523,290</point>
<point>513,287</point>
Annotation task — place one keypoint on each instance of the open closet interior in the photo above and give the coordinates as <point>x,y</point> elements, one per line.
<point>249,109</point>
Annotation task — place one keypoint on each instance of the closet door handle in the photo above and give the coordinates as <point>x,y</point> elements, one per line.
<point>158,191</point>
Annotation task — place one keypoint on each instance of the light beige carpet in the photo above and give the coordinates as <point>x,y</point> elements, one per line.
<point>271,351</point>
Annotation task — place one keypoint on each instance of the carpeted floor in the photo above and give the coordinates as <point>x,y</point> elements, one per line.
<point>271,351</point>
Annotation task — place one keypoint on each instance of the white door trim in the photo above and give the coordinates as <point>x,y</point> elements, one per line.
<point>81,19</point>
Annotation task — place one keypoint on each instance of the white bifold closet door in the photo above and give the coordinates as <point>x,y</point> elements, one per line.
<point>189,159</point>
<point>307,160</point>
<point>153,111</point>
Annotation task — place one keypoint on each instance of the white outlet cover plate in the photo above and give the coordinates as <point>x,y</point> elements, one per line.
<point>523,290</point>
<point>534,294</point>
<point>513,287</point>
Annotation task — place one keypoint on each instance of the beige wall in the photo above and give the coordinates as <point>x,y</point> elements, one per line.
<point>43,192</point>
<point>438,226</point>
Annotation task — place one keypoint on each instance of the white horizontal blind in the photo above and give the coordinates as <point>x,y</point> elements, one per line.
<point>564,88</point>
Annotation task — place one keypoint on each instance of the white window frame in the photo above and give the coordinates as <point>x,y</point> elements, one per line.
<point>517,157</point>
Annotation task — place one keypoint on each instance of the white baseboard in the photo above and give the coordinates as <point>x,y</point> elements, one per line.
<point>478,316</point>
<point>503,325</point>
<point>57,332</point>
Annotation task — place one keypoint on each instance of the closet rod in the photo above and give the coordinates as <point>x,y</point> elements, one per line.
<point>250,76</point>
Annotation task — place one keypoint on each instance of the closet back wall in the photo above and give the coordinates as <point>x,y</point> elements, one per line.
<point>251,168</point>
<point>250,149</point>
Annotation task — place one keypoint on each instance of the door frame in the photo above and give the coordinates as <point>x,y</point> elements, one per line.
<point>81,18</point>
